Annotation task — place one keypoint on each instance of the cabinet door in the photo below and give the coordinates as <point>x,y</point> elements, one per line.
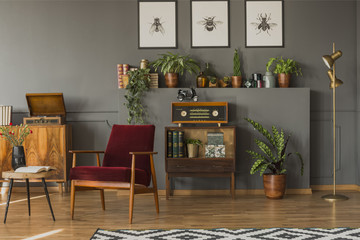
<point>46,147</point>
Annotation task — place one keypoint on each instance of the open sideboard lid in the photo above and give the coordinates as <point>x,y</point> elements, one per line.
<point>46,104</point>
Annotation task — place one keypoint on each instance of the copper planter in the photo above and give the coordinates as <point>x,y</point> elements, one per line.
<point>284,80</point>
<point>236,81</point>
<point>274,185</point>
<point>171,80</point>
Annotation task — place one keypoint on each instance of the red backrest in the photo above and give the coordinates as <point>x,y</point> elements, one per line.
<point>129,138</point>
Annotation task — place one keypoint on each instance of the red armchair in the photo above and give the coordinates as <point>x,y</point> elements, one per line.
<point>128,164</point>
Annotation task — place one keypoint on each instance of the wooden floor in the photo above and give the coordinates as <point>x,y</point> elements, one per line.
<point>178,212</point>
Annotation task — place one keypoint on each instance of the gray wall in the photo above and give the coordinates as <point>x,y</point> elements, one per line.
<point>73,47</point>
<point>358,88</point>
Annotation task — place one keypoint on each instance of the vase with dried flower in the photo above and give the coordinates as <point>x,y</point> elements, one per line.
<point>16,136</point>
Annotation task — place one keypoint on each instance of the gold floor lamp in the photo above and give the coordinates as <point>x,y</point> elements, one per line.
<point>329,61</point>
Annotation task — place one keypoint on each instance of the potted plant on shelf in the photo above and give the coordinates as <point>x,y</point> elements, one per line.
<point>172,65</point>
<point>225,82</point>
<point>273,157</point>
<point>139,81</point>
<point>213,82</point>
<point>16,136</point>
<point>284,68</point>
<point>236,79</point>
<point>192,146</point>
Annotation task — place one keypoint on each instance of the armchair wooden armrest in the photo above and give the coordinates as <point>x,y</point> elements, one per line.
<point>74,152</point>
<point>142,153</point>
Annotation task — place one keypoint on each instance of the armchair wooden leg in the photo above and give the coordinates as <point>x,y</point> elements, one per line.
<point>132,189</point>
<point>153,176</point>
<point>102,199</point>
<point>72,199</point>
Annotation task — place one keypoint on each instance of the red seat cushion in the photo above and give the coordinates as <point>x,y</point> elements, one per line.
<point>118,174</point>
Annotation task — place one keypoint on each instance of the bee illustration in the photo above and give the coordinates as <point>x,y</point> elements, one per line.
<point>264,24</point>
<point>209,23</point>
<point>157,26</point>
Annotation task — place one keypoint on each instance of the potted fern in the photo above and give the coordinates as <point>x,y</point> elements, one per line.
<point>284,68</point>
<point>272,158</point>
<point>172,65</point>
<point>139,81</point>
<point>236,79</point>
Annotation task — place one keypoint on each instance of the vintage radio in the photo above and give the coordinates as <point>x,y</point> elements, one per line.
<point>45,109</point>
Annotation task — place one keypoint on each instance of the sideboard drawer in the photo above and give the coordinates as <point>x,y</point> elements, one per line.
<point>200,165</point>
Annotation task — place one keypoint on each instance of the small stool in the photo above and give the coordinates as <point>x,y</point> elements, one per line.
<point>17,175</point>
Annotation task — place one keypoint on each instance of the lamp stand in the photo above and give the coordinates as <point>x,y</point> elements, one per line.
<point>334,197</point>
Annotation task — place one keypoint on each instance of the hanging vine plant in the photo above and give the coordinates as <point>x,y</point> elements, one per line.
<point>139,81</point>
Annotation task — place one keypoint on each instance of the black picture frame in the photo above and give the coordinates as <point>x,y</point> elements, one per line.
<point>264,33</point>
<point>196,37</point>
<point>156,43</point>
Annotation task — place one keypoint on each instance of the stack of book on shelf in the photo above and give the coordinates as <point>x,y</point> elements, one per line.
<point>5,115</point>
<point>154,83</point>
<point>175,144</point>
<point>215,147</point>
<point>123,78</point>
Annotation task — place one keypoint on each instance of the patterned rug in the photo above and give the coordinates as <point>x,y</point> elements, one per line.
<point>227,234</point>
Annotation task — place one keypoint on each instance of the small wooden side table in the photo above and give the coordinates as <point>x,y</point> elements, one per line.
<point>17,176</point>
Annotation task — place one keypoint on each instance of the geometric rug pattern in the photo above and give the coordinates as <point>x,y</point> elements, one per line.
<point>228,234</point>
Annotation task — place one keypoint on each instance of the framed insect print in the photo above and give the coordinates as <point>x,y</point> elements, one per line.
<point>157,23</point>
<point>210,23</point>
<point>264,23</point>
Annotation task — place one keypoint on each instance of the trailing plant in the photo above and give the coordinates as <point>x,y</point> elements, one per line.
<point>236,60</point>
<point>273,154</point>
<point>284,66</point>
<point>139,81</point>
<point>175,63</point>
<point>193,141</point>
<point>15,134</point>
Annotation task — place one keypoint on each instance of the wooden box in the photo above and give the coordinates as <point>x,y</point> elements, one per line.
<point>45,109</point>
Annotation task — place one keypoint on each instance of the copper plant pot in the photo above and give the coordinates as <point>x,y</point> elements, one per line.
<point>274,185</point>
<point>171,80</point>
<point>236,81</point>
<point>284,80</point>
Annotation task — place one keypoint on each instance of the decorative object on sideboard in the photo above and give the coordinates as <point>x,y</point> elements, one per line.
<point>257,80</point>
<point>210,75</point>
<point>16,135</point>
<point>192,146</point>
<point>144,63</point>
<point>273,157</point>
<point>268,78</point>
<point>5,115</point>
<point>284,68</point>
<point>264,23</point>
<point>172,65</point>
<point>248,83</point>
<point>329,61</point>
<point>157,24</point>
<point>187,95</point>
<point>213,82</point>
<point>236,79</point>
<point>199,112</point>
<point>210,23</point>
<point>202,81</point>
<point>139,82</point>
<point>45,109</point>
<point>123,78</point>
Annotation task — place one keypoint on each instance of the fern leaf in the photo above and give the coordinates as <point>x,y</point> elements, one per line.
<point>265,148</point>
<point>255,167</point>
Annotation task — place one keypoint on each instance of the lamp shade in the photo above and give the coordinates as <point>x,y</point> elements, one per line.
<point>338,82</point>
<point>330,59</point>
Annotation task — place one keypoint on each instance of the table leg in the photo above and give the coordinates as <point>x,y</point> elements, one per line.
<point>48,198</point>
<point>28,193</point>
<point>8,200</point>
<point>60,188</point>
<point>167,180</point>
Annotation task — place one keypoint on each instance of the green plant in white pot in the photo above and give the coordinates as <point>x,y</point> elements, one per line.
<point>284,68</point>
<point>192,146</point>
<point>172,65</point>
<point>272,158</point>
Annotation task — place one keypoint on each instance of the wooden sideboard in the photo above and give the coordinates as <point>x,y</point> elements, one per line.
<point>48,145</point>
<point>202,166</point>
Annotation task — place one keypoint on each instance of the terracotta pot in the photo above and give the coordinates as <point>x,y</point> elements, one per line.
<point>236,81</point>
<point>284,80</point>
<point>274,186</point>
<point>171,80</point>
<point>213,85</point>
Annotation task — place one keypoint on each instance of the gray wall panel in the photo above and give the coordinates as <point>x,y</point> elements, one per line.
<point>73,47</point>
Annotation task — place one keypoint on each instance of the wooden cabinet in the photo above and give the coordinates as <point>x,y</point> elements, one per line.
<point>202,166</point>
<point>48,145</point>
